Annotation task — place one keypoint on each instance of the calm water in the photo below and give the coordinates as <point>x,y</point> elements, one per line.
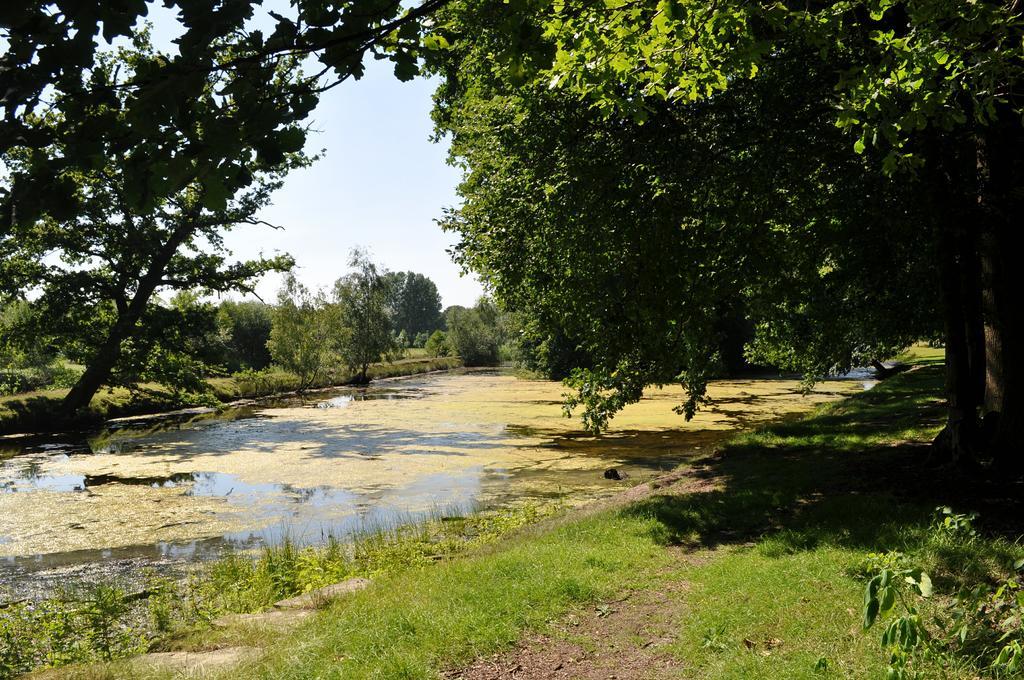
<point>179,489</point>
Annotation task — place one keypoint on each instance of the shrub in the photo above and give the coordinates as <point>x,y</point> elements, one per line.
<point>437,345</point>
<point>982,622</point>
<point>472,338</point>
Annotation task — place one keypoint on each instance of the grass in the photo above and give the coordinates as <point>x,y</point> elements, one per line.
<point>763,574</point>
<point>37,411</point>
<point>776,557</point>
<point>416,621</point>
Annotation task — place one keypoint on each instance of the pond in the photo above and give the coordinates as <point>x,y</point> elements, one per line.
<point>185,488</point>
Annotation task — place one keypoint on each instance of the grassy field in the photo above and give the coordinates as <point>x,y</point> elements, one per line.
<point>35,411</point>
<point>752,565</point>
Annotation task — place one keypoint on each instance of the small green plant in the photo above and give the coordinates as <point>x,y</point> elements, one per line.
<point>715,640</point>
<point>981,622</point>
<point>104,616</point>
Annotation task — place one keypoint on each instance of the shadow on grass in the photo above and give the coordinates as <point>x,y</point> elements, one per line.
<point>854,475</point>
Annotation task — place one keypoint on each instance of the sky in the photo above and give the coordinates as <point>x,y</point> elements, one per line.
<point>380,186</point>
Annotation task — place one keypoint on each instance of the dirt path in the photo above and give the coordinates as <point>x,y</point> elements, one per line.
<point>624,639</point>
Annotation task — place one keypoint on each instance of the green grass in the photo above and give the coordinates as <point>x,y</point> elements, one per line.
<point>414,622</point>
<point>177,614</point>
<point>775,569</point>
<point>766,616</point>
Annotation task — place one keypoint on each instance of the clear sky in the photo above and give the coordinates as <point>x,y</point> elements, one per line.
<point>380,185</point>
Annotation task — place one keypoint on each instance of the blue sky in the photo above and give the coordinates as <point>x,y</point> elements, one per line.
<point>380,185</point>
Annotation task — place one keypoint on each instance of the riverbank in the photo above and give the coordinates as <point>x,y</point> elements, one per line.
<point>751,562</point>
<point>37,411</point>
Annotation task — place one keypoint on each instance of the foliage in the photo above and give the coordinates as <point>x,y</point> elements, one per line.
<point>364,317</point>
<point>54,54</point>
<point>437,344</point>
<point>740,202</point>
<point>415,305</point>
<point>94,625</point>
<point>982,622</point>
<point>307,336</point>
<point>246,326</point>
<point>26,361</point>
<point>475,334</point>
<point>914,65</point>
<point>141,223</point>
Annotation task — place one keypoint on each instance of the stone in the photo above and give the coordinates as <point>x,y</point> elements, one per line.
<point>318,598</point>
<point>199,664</point>
<point>276,618</point>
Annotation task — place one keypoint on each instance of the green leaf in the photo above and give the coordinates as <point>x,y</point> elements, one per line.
<point>215,194</point>
<point>924,584</point>
<point>436,42</point>
<point>887,600</point>
<point>405,67</point>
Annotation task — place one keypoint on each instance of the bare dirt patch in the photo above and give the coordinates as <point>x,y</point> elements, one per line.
<point>623,639</point>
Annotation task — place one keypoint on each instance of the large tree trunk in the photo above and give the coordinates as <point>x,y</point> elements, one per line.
<point>959,440</point>
<point>1001,202</point>
<point>102,363</point>
<point>954,182</point>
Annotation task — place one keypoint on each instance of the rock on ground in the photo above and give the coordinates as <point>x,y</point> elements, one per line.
<point>318,598</point>
<point>198,664</point>
<point>277,618</point>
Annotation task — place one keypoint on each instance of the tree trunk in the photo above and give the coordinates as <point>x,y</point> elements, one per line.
<point>1002,168</point>
<point>954,181</point>
<point>100,366</point>
<point>958,441</point>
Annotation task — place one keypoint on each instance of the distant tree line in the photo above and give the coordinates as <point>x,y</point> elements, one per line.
<point>369,315</point>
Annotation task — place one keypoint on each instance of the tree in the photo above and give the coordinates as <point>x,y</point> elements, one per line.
<point>362,298</point>
<point>137,230</point>
<point>247,326</point>
<point>53,48</point>
<point>631,237</point>
<point>475,334</point>
<point>22,351</point>
<point>926,89</point>
<point>129,168</point>
<point>416,304</point>
<point>307,336</point>
<point>437,344</point>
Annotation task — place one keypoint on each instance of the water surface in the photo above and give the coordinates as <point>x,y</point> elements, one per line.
<point>187,487</point>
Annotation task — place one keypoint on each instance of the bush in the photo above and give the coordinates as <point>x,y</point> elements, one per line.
<point>472,338</point>
<point>246,326</point>
<point>981,621</point>
<point>437,345</point>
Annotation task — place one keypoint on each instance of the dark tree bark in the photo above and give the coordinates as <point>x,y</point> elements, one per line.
<point>953,178</point>
<point>98,371</point>
<point>958,441</point>
<point>1001,202</point>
